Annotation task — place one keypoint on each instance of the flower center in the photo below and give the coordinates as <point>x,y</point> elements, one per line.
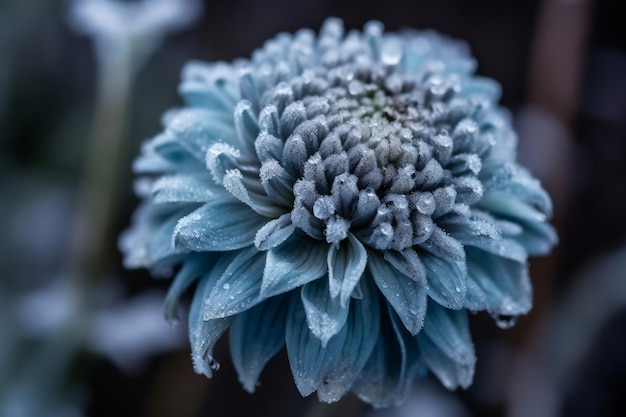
<point>375,153</point>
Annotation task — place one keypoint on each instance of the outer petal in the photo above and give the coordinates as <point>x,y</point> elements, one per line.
<point>446,280</point>
<point>220,225</point>
<point>256,336</point>
<point>203,334</point>
<point>325,316</point>
<point>332,370</point>
<point>197,129</point>
<point>447,347</point>
<point>210,86</point>
<point>504,282</point>
<point>294,263</point>
<point>274,232</point>
<point>390,370</point>
<point>184,188</point>
<point>239,286</point>
<point>407,297</point>
<point>195,266</point>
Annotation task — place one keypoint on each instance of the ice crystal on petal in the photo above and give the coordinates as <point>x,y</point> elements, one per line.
<point>352,196</point>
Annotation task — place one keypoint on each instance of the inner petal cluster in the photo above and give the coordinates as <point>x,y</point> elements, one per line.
<point>370,151</point>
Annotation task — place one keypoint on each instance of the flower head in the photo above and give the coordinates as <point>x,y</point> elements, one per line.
<point>349,195</point>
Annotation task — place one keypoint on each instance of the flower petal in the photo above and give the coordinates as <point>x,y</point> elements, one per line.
<point>238,288</point>
<point>407,297</point>
<point>443,245</point>
<point>408,262</point>
<point>195,266</point>
<point>246,126</point>
<point>274,232</point>
<point>325,316</point>
<point>184,188</point>
<point>447,347</point>
<point>346,263</point>
<point>446,280</point>
<point>220,225</point>
<point>210,86</point>
<point>197,129</point>
<point>388,374</point>
<point>294,263</point>
<point>504,282</point>
<point>332,370</point>
<point>203,334</point>
<point>256,336</point>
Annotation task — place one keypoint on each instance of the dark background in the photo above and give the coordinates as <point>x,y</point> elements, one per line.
<point>562,67</point>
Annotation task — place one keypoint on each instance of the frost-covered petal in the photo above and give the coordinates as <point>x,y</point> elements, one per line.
<point>292,264</point>
<point>388,374</point>
<point>332,370</point>
<point>256,336</point>
<point>447,347</point>
<point>346,263</point>
<point>325,316</point>
<point>203,334</point>
<point>219,225</point>
<point>406,296</point>
<point>274,232</point>
<point>504,282</point>
<point>239,286</point>
<point>196,266</point>
<point>184,188</point>
<point>197,129</point>
<point>446,281</point>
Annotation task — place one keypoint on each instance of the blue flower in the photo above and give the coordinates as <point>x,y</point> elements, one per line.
<point>349,195</point>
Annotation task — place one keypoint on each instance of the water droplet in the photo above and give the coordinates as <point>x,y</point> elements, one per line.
<point>356,88</point>
<point>391,52</point>
<point>226,286</point>
<point>504,322</point>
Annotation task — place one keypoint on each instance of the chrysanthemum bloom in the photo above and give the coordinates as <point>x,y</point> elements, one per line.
<point>351,196</point>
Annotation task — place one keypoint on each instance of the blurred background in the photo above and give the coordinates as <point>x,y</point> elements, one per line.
<point>83,83</point>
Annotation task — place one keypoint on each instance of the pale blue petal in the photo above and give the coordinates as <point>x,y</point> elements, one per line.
<point>486,235</point>
<point>184,188</point>
<point>220,225</point>
<point>212,86</point>
<point>388,375</point>
<point>447,347</point>
<point>537,238</point>
<point>325,316</point>
<point>443,245</point>
<point>246,126</point>
<point>407,297</point>
<point>451,373</point>
<point>256,336</point>
<point>408,262</point>
<point>238,288</point>
<point>197,129</point>
<point>504,282</point>
<point>446,280</point>
<point>195,266</point>
<point>346,263</point>
<point>485,88</point>
<point>160,243</point>
<point>475,297</point>
<point>332,370</point>
<point>203,334</point>
<point>294,263</point>
<point>164,153</point>
<point>274,232</point>
<point>513,181</point>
